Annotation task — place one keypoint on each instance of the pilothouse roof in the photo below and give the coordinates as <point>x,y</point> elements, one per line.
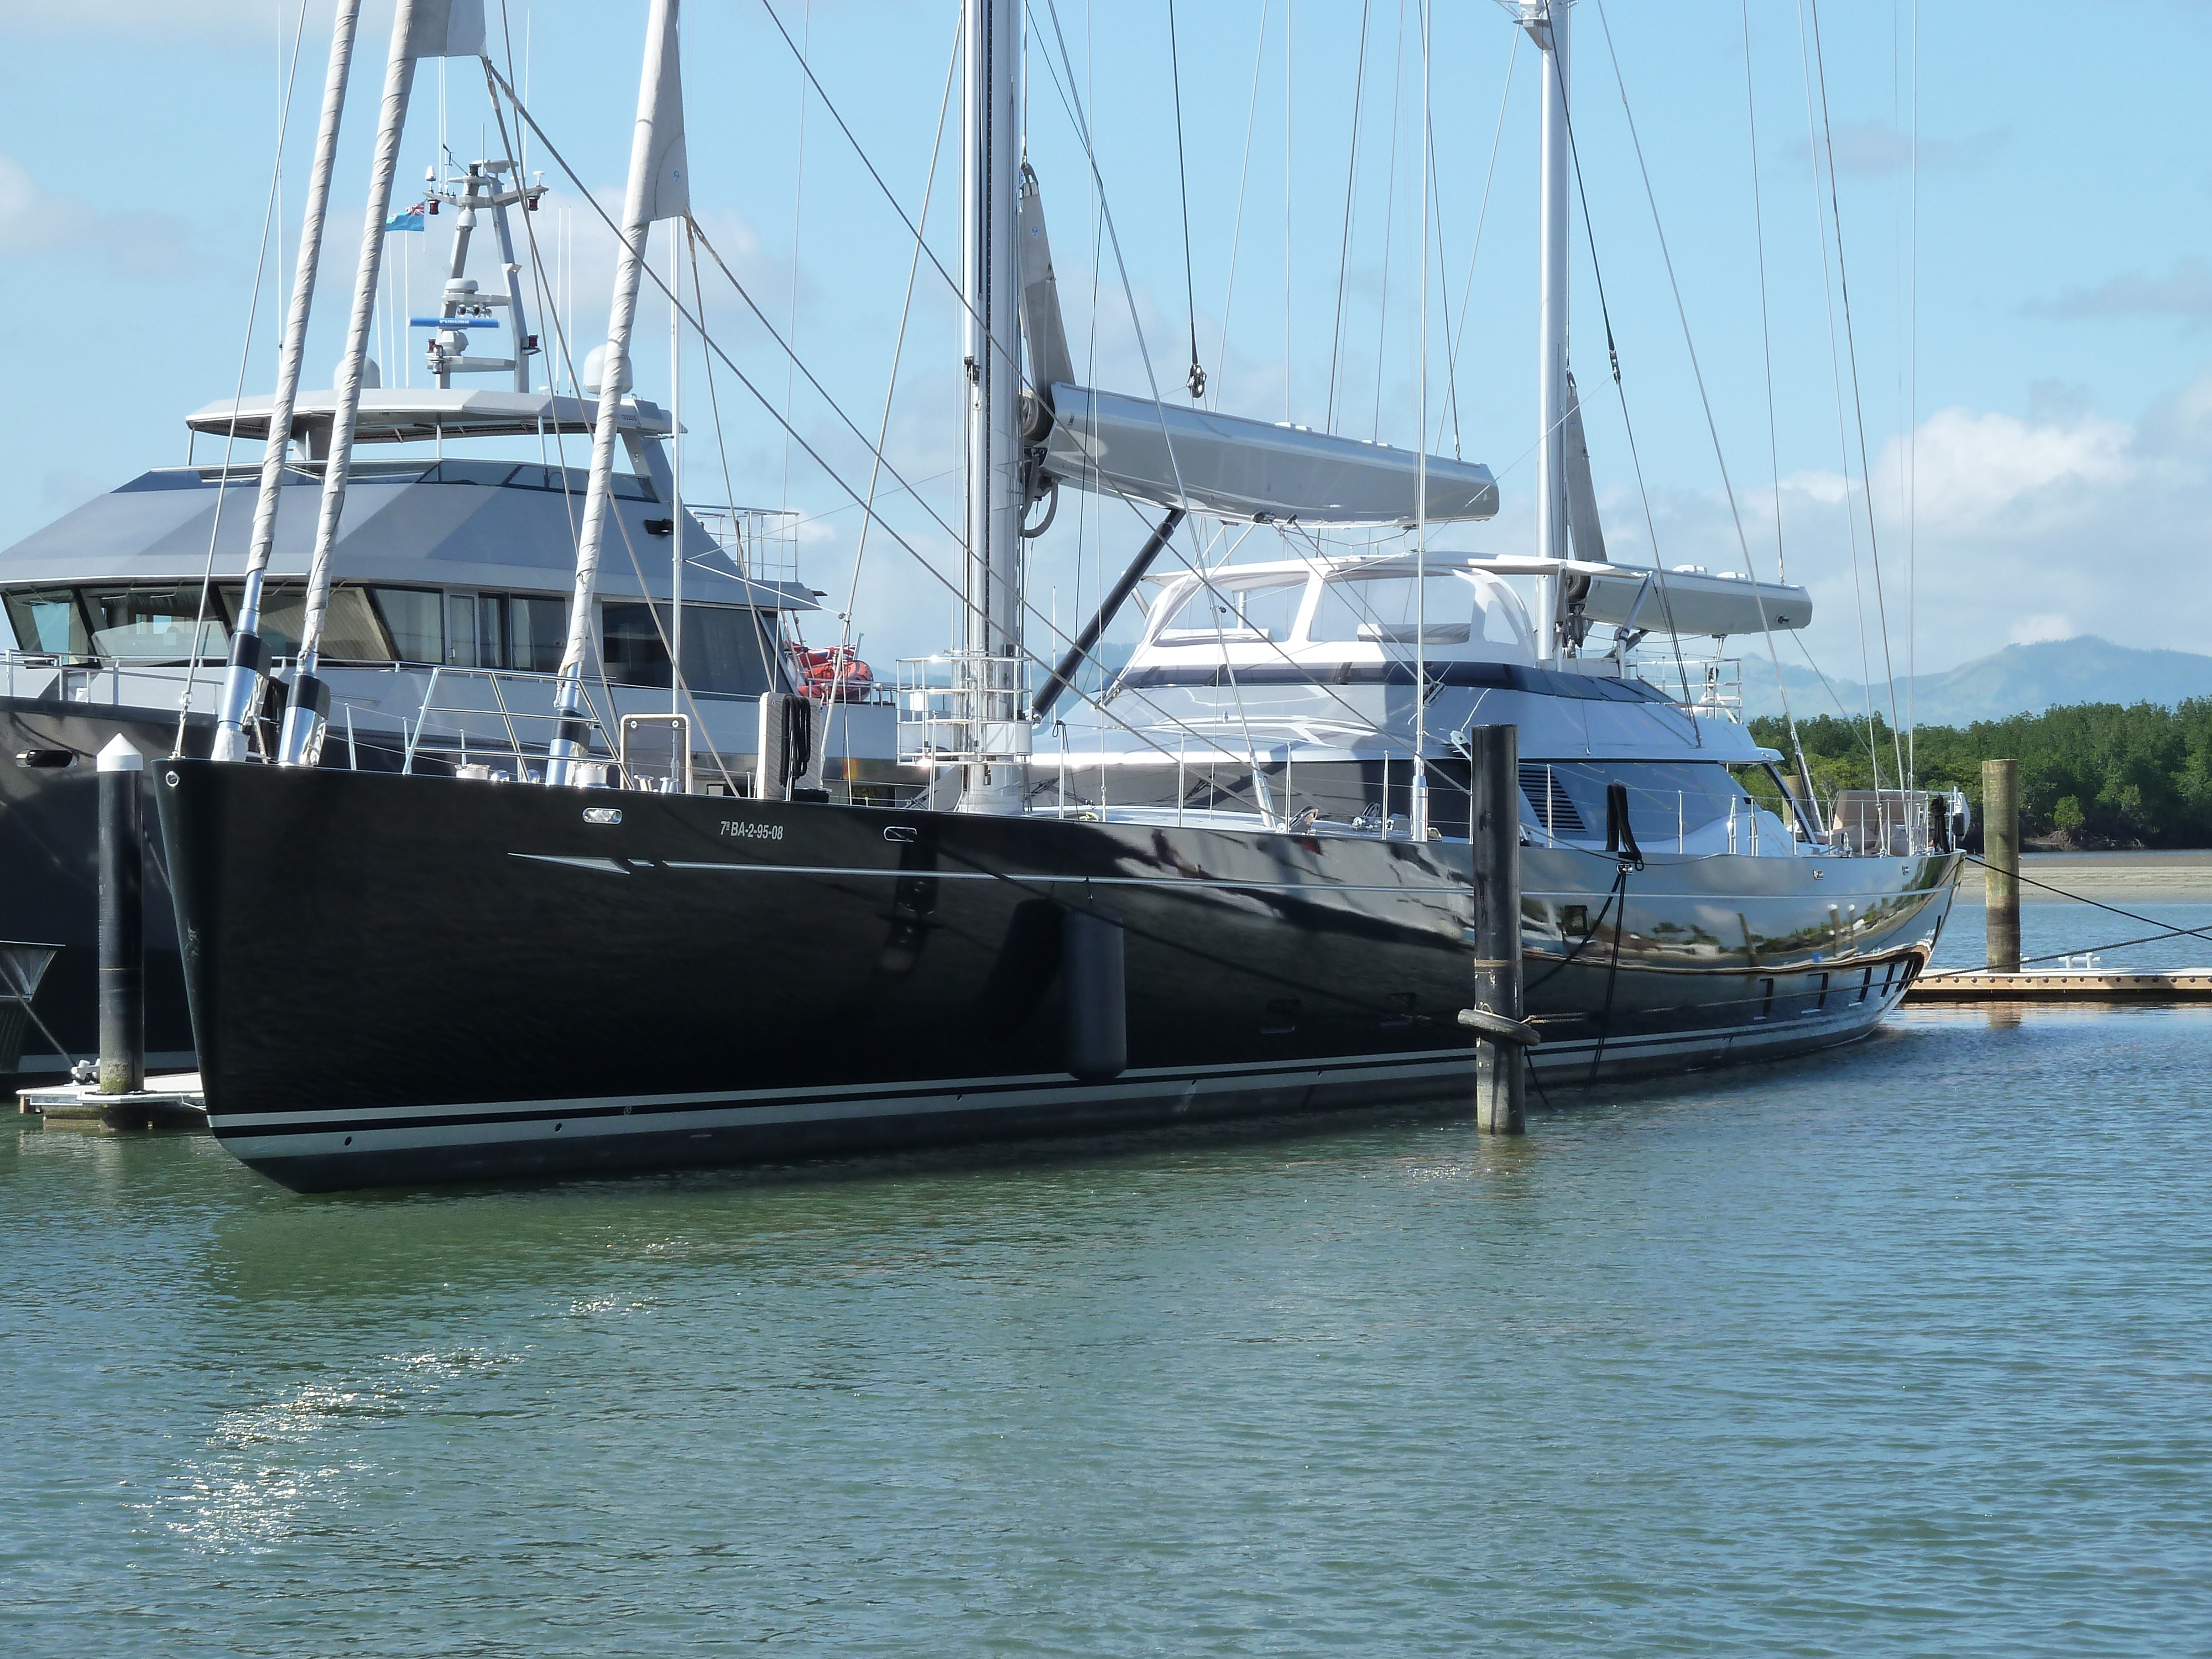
<point>412,414</point>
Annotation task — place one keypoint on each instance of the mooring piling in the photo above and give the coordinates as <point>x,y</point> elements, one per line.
<point>1501,1065</point>
<point>2001,862</point>
<point>122,942</point>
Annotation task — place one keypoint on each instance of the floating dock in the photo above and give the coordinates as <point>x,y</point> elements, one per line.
<point>166,1103</point>
<point>2179,985</point>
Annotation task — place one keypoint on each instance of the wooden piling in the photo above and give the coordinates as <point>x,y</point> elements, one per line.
<point>1501,1067</point>
<point>2001,862</point>
<point>122,945</point>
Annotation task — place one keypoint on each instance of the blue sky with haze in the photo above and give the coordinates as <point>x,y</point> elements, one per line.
<point>2061,466</point>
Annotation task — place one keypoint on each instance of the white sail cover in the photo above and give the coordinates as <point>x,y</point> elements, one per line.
<point>446,28</point>
<point>668,185</point>
<point>1229,467</point>
<point>1690,602</point>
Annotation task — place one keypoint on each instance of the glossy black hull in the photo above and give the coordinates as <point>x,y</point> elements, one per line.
<point>403,979</point>
<point>49,869</point>
<point>50,873</point>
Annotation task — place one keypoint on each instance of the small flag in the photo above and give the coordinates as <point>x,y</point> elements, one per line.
<point>410,220</point>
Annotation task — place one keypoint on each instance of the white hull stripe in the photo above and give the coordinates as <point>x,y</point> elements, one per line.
<point>737,1108</point>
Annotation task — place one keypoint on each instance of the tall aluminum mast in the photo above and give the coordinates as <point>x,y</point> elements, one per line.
<point>247,655</point>
<point>995,778</point>
<point>659,188</point>
<point>420,28</point>
<point>1547,21</point>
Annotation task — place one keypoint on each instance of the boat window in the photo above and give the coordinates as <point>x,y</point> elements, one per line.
<point>537,629</point>
<point>412,616</point>
<point>150,624</point>
<point>48,620</point>
<point>1262,611</point>
<point>726,648</point>
<point>1382,608</point>
<point>1663,796</point>
<point>486,474</point>
<point>351,630</point>
<point>491,630</point>
<point>572,480</point>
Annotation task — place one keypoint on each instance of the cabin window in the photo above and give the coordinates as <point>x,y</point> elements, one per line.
<point>727,649</point>
<point>412,617</point>
<point>1263,612</point>
<point>351,630</point>
<point>148,624</point>
<point>48,621</point>
<point>537,632</point>
<point>1665,798</point>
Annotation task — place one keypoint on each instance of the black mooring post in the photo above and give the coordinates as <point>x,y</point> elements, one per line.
<point>122,944</point>
<point>1501,1084</point>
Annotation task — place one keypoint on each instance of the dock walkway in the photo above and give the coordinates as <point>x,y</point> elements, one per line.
<point>2178,985</point>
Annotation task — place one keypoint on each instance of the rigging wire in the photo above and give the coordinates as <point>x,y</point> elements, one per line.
<point>829,104</point>
<point>1859,405</point>
<point>769,407</point>
<point>1766,348</point>
<point>1912,438</point>
<point>1681,311</point>
<point>1619,387</point>
<point>1836,376</point>
<point>1076,117</point>
<point>797,226</point>
<point>1344,250</point>
<point>238,393</point>
<point>1244,177</point>
<point>1389,218</point>
<point>1816,67</point>
<point>898,347</point>
<point>511,145</point>
<point>1482,218</point>
<point>1196,381</point>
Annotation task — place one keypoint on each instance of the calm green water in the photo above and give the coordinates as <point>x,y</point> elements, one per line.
<point>1904,1351</point>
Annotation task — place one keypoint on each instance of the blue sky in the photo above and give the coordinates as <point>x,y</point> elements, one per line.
<point>2056,394</point>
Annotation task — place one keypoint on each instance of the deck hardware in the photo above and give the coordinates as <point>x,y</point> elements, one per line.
<point>603,815</point>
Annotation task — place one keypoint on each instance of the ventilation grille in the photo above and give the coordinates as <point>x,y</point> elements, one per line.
<point>1548,800</point>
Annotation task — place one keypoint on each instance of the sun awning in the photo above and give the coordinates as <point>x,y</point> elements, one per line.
<point>1229,467</point>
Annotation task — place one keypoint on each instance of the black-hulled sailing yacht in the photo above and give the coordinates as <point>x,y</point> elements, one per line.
<point>1247,891</point>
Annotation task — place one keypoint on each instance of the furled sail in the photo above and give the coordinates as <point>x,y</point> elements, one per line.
<point>1229,467</point>
<point>1690,602</point>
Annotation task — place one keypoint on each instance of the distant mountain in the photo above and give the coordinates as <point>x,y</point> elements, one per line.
<point>2021,679</point>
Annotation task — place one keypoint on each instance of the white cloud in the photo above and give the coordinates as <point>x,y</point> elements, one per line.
<point>2034,630</point>
<point>2185,291</point>
<point>1972,473</point>
<point>2025,529</point>
<point>38,223</point>
<point>1873,148</point>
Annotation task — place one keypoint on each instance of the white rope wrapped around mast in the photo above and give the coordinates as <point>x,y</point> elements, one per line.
<point>247,653</point>
<point>659,188</point>
<point>420,28</point>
